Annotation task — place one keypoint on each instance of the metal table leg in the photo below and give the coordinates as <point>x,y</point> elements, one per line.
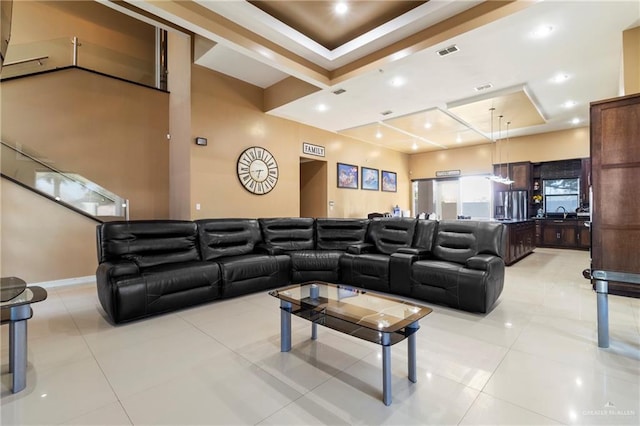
<point>386,368</point>
<point>411,352</point>
<point>602,294</point>
<point>314,331</point>
<point>285,326</point>
<point>18,354</point>
<point>18,316</point>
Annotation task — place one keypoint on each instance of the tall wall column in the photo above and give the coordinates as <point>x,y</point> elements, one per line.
<point>179,81</point>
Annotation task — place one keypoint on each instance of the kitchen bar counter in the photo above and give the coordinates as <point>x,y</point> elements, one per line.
<point>520,240</point>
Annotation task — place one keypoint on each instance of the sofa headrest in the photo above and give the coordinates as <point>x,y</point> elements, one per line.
<point>288,233</point>
<point>338,234</point>
<point>149,242</point>
<point>227,237</point>
<point>425,233</point>
<point>388,234</point>
<point>458,240</point>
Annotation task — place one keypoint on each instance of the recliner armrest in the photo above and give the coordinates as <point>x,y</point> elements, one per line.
<point>119,268</point>
<point>267,249</point>
<point>420,252</point>
<point>400,271</point>
<point>483,262</point>
<point>361,248</point>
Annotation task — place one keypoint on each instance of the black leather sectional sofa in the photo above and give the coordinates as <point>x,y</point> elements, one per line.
<point>150,267</point>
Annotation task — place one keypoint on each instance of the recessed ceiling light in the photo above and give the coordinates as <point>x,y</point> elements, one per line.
<point>414,146</point>
<point>458,139</point>
<point>575,121</point>
<point>542,31</point>
<point>397,82</point>
<point>427,125</point>
<point>322,107</point>
<point>569,104</point>
<point>378,134</point>
<point>560,78</point>
<point>341,8</point>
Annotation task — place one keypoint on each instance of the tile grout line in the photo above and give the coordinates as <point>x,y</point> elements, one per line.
<point>115,394</point>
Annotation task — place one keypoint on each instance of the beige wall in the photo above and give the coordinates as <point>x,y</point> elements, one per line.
<point>631,60</point>
<point>561,145</point>
<point>229,114</point>
<point>109,131</point>
<point>43,241</point>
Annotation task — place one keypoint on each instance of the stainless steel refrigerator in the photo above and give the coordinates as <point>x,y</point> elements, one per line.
<point>511,205</point>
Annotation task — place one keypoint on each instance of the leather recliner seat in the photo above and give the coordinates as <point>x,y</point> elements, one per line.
<point>245,267</point>
<point>151,267</point>
<point>465,269</point>
<point>367,264</point>
<point>314,246</point>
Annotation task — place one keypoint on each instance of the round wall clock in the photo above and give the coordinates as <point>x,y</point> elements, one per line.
<point>257,170</point>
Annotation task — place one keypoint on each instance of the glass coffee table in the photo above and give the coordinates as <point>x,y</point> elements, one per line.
<point>15,304</point>
<point>384,320</point>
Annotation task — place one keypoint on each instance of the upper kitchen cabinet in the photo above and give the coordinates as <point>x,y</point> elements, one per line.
<point>521,176</point>
<point>519,173</point>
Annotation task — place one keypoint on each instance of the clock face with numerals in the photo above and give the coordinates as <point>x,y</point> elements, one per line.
<point>257,170</point>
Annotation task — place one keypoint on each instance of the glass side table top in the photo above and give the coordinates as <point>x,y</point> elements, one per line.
<point>11,287</point>
<point>376,312</point>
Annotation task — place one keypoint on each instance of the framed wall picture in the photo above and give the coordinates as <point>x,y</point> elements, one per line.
<point>370,179</point>
<point>389,181</point>
<point>347,176</point>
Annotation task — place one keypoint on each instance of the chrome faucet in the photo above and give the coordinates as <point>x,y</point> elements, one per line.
<point>563,209</point>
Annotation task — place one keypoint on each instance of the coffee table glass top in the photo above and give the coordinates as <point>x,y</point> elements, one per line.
<point>11,287</point>
<point>384,314</point>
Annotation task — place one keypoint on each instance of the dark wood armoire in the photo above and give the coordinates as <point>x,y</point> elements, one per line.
<point>615,181</point>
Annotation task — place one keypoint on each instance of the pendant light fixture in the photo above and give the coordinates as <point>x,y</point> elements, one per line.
<point>493,176</point>
<point>508,180</point>
<point>498,148</point>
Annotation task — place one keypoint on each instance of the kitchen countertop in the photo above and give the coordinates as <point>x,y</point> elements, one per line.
<point>573,218</point>
<point>512,221</point>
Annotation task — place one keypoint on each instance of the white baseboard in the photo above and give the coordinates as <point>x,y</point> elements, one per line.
<point>66,282</point>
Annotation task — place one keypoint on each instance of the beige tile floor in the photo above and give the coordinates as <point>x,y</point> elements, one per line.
<point>532,360</point>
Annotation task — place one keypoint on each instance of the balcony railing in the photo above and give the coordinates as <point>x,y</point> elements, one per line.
<point>69,189</point>
<point>33,58</point>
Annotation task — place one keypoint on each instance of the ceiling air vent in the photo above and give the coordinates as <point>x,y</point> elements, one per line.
<point>448,50</point>
<point>339,91</point>
<point>386,112</point>
<point>483,87</point>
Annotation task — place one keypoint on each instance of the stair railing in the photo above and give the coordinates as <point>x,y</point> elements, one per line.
<point>69,189</point>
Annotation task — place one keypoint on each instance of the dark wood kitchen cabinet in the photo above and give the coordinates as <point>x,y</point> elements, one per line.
<point>521,176</point>
<point>519,173</point>
<point>521,240</point>
<point>563,233</point>
<point>583,233</point>
<point>559,233</point>
<point>615,179</point>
